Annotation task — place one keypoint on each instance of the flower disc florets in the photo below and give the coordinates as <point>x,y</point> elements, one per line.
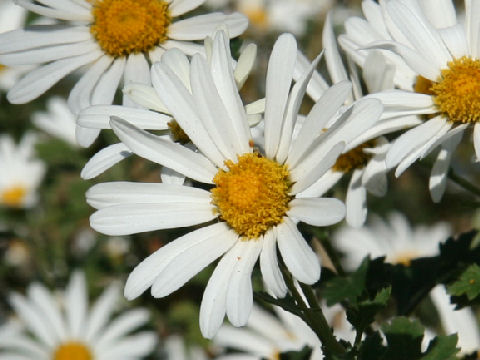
<point>72,350</point>
<point>123,27</point>
<point>356,158</point>
<point>253,195</point>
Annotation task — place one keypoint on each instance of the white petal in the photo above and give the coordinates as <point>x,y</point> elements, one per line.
<point>201,26</point>
<point>317,211</point>
<point>187,47</point>
<point>40,80</point>
<point>98,117</point>
<point>356,200</point>
<point>85,136</point>
<point>472,12</point>
<point>279,78</point>
<point>181,105</point>
<point>374,176</point>
<point>169,154</point>
<point>476,141</point>
<point>272,276</point>
<point>146,96</point>
<point>179,64</point>
<point>378,72</point>
<point>245,64</point>
<point>130,347</point>
<point>180,7</point>
<point>107,85</point>
<point>240,293</point>
<point>84,15</point>
<point>104,160</point>
<point>317,85</point>
<point>322,185</point>
<point>334,62</point>
<point>137,69</point>
<point>438,178</point>
<point>129,218</point>
<point>299,257</point>
<point>101,312</point>
<point>170,176</point>
<point>76,304</point>
<point>455,40</point>
<point>187,262</point>
<point>441,13</point>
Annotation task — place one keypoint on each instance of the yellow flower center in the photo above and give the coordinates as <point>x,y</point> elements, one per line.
<point>405,258</point>
<point>354,159</point>
<point>252,196</point>
<point>457,91</point>
<point>257,16</point>
<point>72,350</point>
<point>14,196</point>
<point>123,27</point>
<point>2,67</point>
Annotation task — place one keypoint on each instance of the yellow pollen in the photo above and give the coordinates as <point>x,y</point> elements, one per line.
<point>14,196</point>
<point>354,159</point>
<point>252,196</point>
<point>72,350</point>
<point>256,16</point>
<point>456,93</point>
<point>177,132</point>
<point>123,27</point>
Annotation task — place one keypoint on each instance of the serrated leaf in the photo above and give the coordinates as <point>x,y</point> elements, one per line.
<point>348,287</point>
<point>404,339</point>
<point>442,348</point>
<point>468,284</point>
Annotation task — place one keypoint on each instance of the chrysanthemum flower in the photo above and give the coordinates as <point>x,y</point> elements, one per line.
<point>444,58</point>
<point>52,332</point>
<point>20,172</point>
<point>395,239</point>
<point>57,121</point>
<point>116,39</point>
<point>11,17</point>
<point>253,201</point>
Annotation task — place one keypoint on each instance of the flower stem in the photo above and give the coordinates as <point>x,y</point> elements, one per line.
<point>313,315</point>
<point>463,183</point>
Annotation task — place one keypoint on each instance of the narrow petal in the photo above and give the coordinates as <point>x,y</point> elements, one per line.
<point>334,61</point>
<point>240,293</point>
<point>374,176</point>
<point>299,257</point>
<point>356,200</point>
<point>101,312</point>
<point>75,15</point>
<point>201,26</point>
<point>441,13</point>
<point>272,276</point>
<point>164,152</point>
<point>317,211</point>
<point>476,141</point>
<point>107,85</point>
<point>40,80</point>
<point>322,185</point>
<point>180,7</point>
<point>137,69</point>
<point>129,218</point>
<point>76,304</point>
<point>187,262</point>
<point>148,271</point>
<point>104,160</point>
<point>279,78</point>
<point>130,347</point>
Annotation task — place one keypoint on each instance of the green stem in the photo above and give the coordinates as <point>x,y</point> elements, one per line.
<point>463,183</point>
<point>314,315</point>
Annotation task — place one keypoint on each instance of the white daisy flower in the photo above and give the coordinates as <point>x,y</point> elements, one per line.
<point>364,155</point>
<point>395,239</point>
<point>20,172</point>
<point>57,121</point>
<point>115,39</point>
<point>266,336</point>
<point>11,17</point>
<point>444,57</point>
<point>152,113</point>
<point>463,322</point>
<point>52,332</point>
<point>254,200</point>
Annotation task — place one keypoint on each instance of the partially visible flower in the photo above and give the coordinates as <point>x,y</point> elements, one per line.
<point>438,59</point>
<point>20,172</point>
<point>116,39</point>
<point>463,322</point>
<point>152,114</point>
<point>395,239</point>
<point>58,121</point>
<point>266,336</point>
<point>176,349</point>
<point>76,332</point>
<point>12,17</point>
<point>117,246</point>
<point>17,253</point>
<point>253,202</point>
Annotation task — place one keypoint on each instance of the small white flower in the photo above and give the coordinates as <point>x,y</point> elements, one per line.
<point>20,172</point>
<point>115,39</point>
<point>254,201</point>
<point>442,59</point>
<point>58,121</point>
<point>395,239</point>
<point>50,332</point>
<point>266,336</point>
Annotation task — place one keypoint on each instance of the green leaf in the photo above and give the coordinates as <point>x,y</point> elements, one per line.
<point>442,348</point>
<point>347,288</point>
<point>468,284</point>
<point>304,354</point>
<point>371,348</point>
<point>404,339</point>
<point>364,313</point>
<point>287,303</point>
